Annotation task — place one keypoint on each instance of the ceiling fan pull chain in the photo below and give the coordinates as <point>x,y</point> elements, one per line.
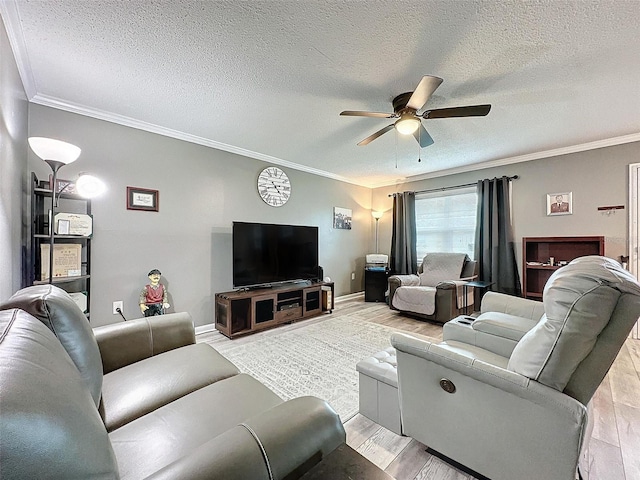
<point>419,145</point>
<point>396,149</point>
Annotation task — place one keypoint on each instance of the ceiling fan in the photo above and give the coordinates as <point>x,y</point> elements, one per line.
<point>406,106</point>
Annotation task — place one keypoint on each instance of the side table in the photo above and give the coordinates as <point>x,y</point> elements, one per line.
<point>344,463</point>
<point>376,283</point>
<point>479,284</point>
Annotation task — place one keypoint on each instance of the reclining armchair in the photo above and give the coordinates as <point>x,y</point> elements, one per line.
<point>436,292</point>
<point>507,395</point>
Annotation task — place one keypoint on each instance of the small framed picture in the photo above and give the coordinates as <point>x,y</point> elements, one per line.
<point>63,227</point>
<point>342,218</point>
<point>559,203</point>
<point>142,199</point>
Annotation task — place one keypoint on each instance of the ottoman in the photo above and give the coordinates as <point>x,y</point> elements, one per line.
<point>378,393</point>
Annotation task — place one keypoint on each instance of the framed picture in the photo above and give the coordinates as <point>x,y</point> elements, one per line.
<point>66,186</point>
<point>559,203</point>
<point>63,227</point>
<point>142,199</point>
<point>342,218</point>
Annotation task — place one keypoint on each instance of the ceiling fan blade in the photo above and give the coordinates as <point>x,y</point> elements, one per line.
<point>352,113</point>
<point>423,91</point>
<point>470,111</point>
<point>379,133</point>
<point>423,137</point>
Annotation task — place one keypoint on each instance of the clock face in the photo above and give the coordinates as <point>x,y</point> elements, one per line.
<point>274,186</point>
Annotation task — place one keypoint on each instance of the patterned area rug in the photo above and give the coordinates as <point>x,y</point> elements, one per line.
<point>318,359</point>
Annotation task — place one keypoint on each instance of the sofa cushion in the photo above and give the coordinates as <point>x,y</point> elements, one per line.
<point>579,300</point>
<point>142,387</point>
<point>57,310</point>
<point>124,343</point>
<point>161,437</point>
<point>441,267</point>
<point>415,299</point>
<point>49,425</point>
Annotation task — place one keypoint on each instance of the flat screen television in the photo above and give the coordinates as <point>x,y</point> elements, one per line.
<point>269,253</point>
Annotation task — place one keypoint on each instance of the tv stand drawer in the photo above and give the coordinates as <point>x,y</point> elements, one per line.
<point>288,313</point>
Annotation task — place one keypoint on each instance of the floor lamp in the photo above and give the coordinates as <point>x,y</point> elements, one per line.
<point>377,216</point>
<point>56,154</point>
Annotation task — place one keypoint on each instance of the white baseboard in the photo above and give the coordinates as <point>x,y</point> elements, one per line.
<point>349,296</point>
<point>210,327</point>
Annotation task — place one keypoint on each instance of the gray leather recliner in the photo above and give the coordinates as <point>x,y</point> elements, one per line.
<point>447,302</point>
<point>509,397</point>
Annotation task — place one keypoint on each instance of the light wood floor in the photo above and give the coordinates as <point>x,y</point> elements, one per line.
<point>614,449</point>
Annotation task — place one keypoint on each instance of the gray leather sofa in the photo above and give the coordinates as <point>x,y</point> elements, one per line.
<point>140,399</point>
<point>508,395</point>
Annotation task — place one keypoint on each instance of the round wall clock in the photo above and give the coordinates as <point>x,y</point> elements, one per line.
<point>274,186</point>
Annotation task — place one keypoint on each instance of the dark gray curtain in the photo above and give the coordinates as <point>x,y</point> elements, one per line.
<point>495,252</point>
<point>403,238</point>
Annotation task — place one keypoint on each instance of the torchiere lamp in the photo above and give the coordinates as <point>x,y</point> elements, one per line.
<point>377,216</point>
<point>56,154</point>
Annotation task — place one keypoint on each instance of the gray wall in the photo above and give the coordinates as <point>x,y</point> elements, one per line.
<point>13,168</point>
<point>596,178</point>
<point>202,191</point>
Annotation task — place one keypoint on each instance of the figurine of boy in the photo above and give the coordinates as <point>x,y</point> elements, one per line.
<point>153,298</point>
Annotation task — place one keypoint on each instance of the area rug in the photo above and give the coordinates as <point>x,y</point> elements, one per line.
<point>318,359</point>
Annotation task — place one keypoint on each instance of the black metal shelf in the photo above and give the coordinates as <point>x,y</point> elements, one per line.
<point>41,203</point>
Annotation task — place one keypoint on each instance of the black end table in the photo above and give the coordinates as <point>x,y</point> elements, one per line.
<point>344,463</point>
<point>376,283</point>
<point>479,284</point>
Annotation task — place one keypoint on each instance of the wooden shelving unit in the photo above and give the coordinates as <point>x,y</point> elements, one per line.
<point>562,249</point>
<point>242,312</point>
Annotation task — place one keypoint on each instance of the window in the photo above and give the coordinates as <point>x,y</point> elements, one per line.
<point>446,221</point>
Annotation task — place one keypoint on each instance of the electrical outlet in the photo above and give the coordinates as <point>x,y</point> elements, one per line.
<point>353,275</point>
<point>117,305</point>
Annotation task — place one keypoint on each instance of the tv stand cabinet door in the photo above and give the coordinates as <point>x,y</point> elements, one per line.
<point>312,301</point>
<point>263,311</point>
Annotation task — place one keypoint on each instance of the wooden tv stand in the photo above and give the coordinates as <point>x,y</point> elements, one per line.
<point>241,312</point>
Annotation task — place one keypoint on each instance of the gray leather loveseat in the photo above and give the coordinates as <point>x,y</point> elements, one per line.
<point>140,399</point>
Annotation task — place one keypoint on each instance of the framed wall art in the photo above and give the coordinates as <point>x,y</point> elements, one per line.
<point>559,203</point>
<point>342,218</point>
<point>142,199</point>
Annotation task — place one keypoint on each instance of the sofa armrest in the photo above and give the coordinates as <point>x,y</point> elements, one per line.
<point>286,441</point>
<point>404,280</point>
<point>519,307</point>
<point>396,281</point>
<point>128,342</point>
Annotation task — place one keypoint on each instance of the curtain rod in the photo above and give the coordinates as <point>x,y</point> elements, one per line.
<point>442,189</point>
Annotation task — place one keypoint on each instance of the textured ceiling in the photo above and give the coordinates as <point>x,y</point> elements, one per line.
<point>269,78</point>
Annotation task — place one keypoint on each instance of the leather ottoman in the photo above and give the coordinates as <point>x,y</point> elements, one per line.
<point>378,392</point>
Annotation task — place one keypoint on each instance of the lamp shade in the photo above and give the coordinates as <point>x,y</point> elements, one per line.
<point>376,215</point>
<point>89,186</point>
<point>407,124</point>
<point>56,150</point>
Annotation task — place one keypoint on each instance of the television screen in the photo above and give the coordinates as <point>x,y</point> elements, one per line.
<point>269,253</point>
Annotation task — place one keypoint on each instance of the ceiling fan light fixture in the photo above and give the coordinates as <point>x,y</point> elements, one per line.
<point>407,124</point>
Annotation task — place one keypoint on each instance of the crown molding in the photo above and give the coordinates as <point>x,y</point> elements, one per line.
<point>11,20</point>
<point>53,102</point>
<point>608,142</point>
